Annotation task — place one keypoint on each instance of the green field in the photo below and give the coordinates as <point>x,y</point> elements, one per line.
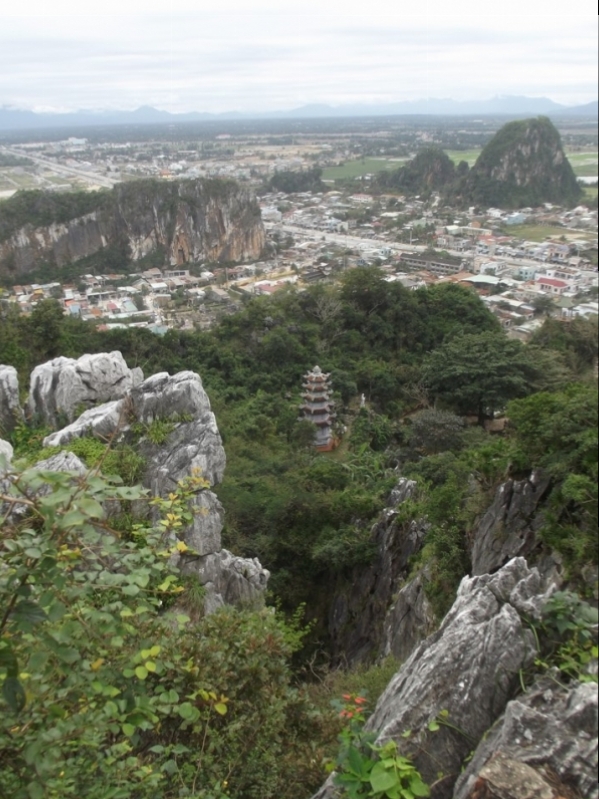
<point>590,192</point>
<point>469,156</point>
<point>364,166</point>
<point>541,232</point>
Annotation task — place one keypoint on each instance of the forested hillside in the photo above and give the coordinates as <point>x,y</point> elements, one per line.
<point>434,369</point>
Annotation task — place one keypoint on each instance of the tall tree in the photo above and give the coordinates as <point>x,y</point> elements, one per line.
<point>479,372</point>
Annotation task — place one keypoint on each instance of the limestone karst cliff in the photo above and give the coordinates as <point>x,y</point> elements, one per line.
<point>523,164</point>
<point>190,220</point>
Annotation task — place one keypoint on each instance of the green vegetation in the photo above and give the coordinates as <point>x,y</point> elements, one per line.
<point>103,684</point>
<point>291,182</point>
<point>356,169</point>
<point>469,156</point>
<point>430,170</point>
<point>7,160</point>
<point>541,232</point>
<point>39,208</point>
<point>108,690</point>
<point>506,175</point>
<point>364,769</point>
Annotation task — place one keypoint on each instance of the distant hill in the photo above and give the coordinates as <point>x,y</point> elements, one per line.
<point>430,170</point>
<point>523,164</point>
<point>14,119</point>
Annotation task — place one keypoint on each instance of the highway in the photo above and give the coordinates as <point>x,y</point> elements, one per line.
<point>355,242</point>
<point>60,169</point>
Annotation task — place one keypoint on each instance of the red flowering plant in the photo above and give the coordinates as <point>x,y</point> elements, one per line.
<point>364,769</point>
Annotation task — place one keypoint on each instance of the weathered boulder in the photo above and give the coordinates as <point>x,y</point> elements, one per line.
<point>358,610</point>
<point>11,412</point>
<point>547,733</point>
<point>508,529</point>
<point>61,386</point>
<point>6,451</point>
<point>467,668</point>
<point>228,579</point>
<point>61,462</point>
<point>504,778</point>
<point>100,422</point>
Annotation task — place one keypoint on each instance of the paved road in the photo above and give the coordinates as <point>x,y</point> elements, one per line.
<point>60,169</point>
<point>355,242</point>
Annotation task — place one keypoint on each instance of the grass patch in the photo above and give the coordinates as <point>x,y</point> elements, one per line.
<point>590,192</point>
<point>540,232</point>
<point>586,170</point>
<point>364,166</point>
<point>470,156</point>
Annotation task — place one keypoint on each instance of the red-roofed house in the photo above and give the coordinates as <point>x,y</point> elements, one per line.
<point>551,284</point>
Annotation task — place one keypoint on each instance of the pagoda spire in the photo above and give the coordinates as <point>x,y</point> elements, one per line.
<point>318,407</point>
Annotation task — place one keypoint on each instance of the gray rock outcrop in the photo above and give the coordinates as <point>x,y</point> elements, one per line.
<point>549,731</point>
<point>6,453</point>
<point>189,445</point>
<point>61,386</point>
<point>467,668</point>
<point>195,443</point>
<point>361,610</point>
<point>100,422</point>
<point>11,412</point>
<point>410,619</point>
<point>509,527</point>
<point>61,462</point>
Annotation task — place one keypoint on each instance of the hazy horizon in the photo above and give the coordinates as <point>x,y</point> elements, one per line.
<point>266,57</point>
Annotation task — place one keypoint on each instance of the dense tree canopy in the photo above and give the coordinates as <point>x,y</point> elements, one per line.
<point>479,372</point>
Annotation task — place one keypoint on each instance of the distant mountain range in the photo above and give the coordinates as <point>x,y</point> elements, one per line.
<point>15,119</point>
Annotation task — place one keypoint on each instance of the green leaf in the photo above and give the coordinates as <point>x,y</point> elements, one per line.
<point>381,779</point>
<point>433,725</point>
<point>13,693</point>
<point>355,761</point>
<point>128,730</point>
<point>418,787</point>
<point>141,672</point>
<point>150,665</point>
<point>220,708</point>
<point>28,611</point>
<point>35,790</point>
<point>185,710</point>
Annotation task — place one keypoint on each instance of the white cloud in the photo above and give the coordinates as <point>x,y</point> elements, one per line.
<point>269,55</point>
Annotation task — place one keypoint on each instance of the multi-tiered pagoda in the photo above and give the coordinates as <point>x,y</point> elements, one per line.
<point>318,408</point>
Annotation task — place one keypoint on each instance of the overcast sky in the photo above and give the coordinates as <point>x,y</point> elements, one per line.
<point>263,55</point>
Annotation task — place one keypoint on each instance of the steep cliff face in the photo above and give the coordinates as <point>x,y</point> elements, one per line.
<point>375,611</point>
<point>523,164</point>
<point>192,221</point>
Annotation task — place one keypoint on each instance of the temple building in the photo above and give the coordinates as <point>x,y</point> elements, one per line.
<point>318,408</point>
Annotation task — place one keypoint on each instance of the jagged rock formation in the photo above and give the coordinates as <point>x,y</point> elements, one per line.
<point>523,164</point>
<point>364,619</point>
<point>11,412</point>
<point>191,445</point>
<point>510,525</point>
<point>60,387</point>
<point>430,170</point>
<point>549,732</point>
<point>410,618</point>
<point>191,221</point>
<point>468,668</point>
